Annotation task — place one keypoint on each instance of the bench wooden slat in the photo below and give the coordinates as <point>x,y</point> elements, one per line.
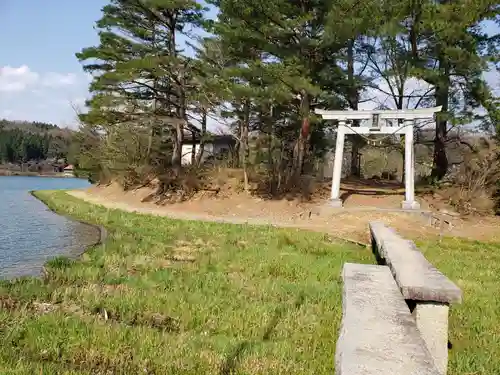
<point>378,333</point>
<point>418,279</point>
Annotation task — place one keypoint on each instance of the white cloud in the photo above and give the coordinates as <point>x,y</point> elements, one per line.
<point>6,113</point>
<point>53,79</point>
<point>32,95</point>
<point>22,78</point>
<point>17,79</point>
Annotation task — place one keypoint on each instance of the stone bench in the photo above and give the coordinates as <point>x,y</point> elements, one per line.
<point>427,291</point>
<point>378,334</point>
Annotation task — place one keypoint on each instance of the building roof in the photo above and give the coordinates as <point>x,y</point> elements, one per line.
<point>69,167</point>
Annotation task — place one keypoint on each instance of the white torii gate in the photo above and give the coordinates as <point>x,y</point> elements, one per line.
<point>405,115</point>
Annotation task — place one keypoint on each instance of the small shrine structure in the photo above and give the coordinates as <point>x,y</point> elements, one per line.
<point>401,121</point>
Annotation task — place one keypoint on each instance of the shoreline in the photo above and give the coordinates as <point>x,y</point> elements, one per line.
<point>102,237</point>
<point>196,288</point>
<point>200,288</point>
<point>35,174</point>
<point>103,232</point>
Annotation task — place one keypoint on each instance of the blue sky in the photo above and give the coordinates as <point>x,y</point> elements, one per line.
<point>40,75</point>
<point>40,78</point>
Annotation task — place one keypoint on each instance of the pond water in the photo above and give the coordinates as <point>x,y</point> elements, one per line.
<point>31,234</point>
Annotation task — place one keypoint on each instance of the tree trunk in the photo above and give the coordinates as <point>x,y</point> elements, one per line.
<point>244,151</point>
<point>178,132</point>
<point>440,159</point>
<point>301,145</point>
<point>155,114</point>
<point>353,99</point>
<point>270,156</point>
<point>177,139</point>
<point>193,148</point>
<point>202,139</point>
<point>237,147</point>
<point>356,146</point>
<point>150,143</point>
<point>181,121</point>
<point>236,162</point>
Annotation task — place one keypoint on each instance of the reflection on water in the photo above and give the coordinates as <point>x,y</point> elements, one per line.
<point>30,234</point>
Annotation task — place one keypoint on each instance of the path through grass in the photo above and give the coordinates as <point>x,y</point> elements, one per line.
<point>164,296</point>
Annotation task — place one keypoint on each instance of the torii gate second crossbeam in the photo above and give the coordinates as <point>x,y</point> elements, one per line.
<point>404,115</point>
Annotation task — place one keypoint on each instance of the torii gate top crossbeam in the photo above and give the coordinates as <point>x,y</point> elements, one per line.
<point>405,114</point>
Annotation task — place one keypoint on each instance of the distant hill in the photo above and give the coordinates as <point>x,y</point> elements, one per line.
<point>35,126</point>
<point>35,143</point>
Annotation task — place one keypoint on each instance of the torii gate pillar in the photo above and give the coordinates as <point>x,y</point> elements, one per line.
<point>408,117</point>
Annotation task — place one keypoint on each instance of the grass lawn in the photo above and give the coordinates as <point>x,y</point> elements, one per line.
<point>164,296</point>
<point>474,329</point>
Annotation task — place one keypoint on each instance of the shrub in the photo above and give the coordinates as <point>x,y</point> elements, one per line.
<point>475,183</point>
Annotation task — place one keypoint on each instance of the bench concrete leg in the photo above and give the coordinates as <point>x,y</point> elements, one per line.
<point>432,322</point>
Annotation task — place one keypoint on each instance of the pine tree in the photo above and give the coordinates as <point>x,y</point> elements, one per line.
<point>140,74</point>
<point>450,51</point>
<point>287,41</point>
<point>350,24</point>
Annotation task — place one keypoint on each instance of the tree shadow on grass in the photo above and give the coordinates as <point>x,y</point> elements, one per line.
<point>234,357</point>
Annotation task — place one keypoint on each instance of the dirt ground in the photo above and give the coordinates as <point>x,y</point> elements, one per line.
<point>349,223</point>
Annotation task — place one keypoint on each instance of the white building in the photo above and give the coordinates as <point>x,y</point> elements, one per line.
<point>215,146</point>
